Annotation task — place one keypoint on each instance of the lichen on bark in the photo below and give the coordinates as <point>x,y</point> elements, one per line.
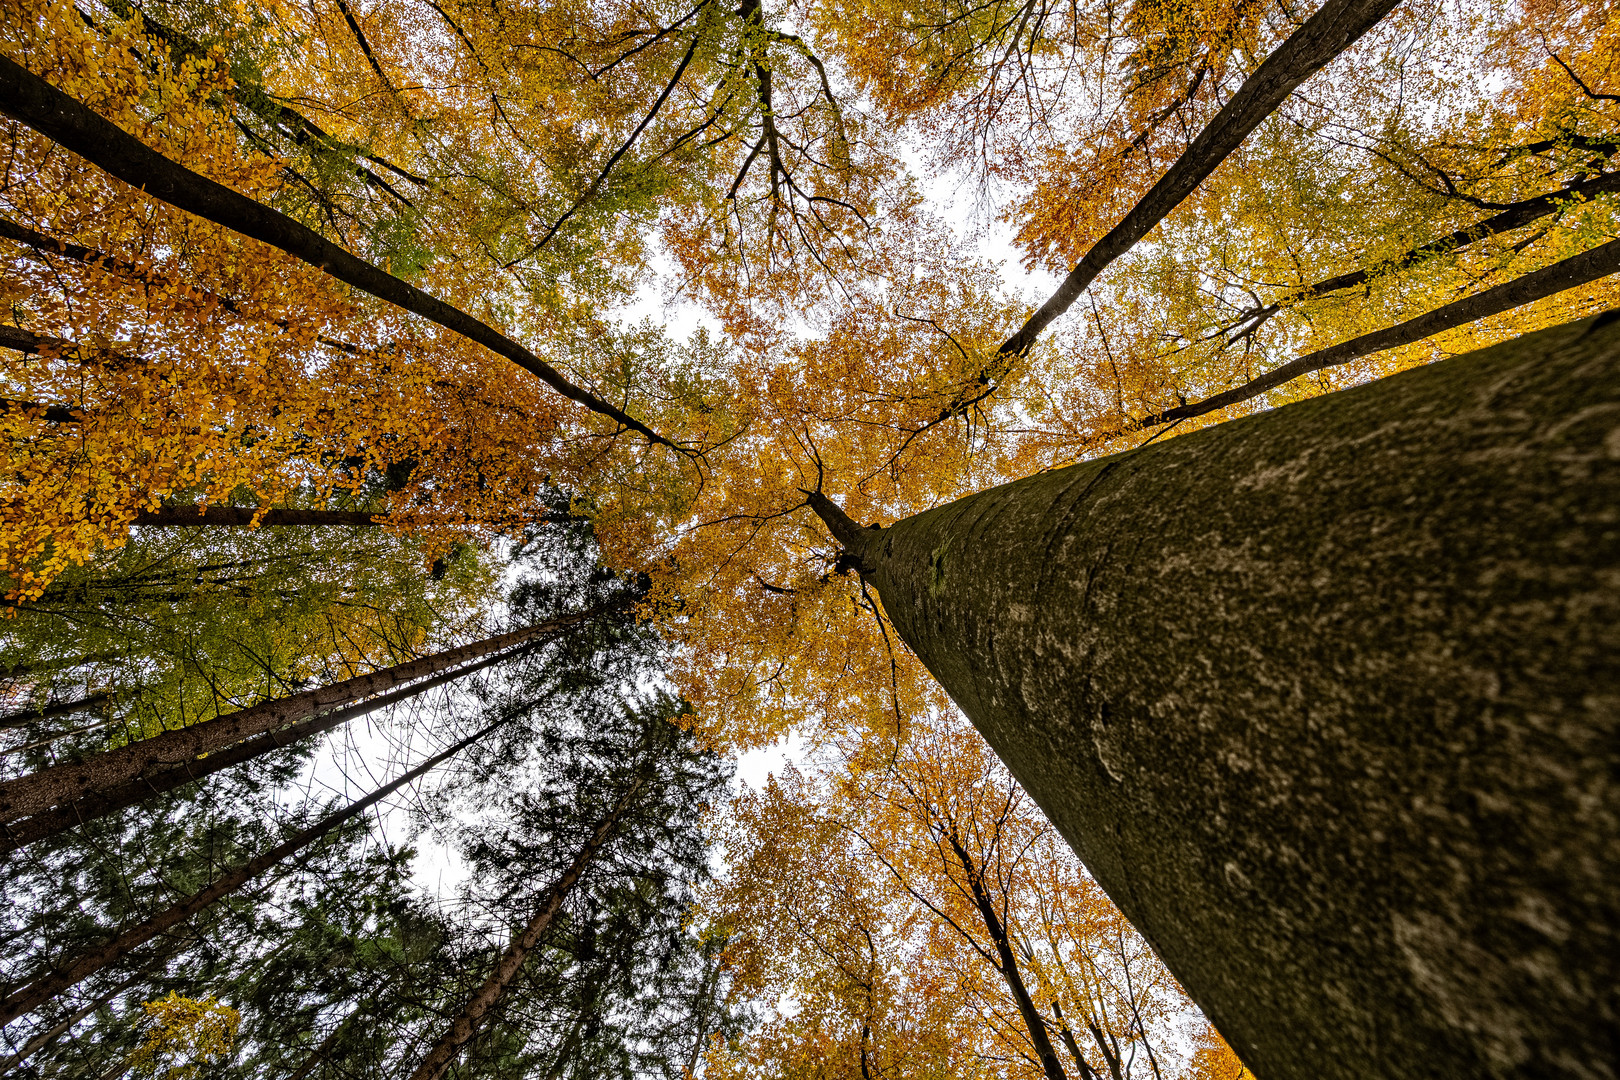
<point>1326,699</point>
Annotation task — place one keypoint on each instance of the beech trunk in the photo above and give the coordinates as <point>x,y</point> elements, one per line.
<point>1326,699</point>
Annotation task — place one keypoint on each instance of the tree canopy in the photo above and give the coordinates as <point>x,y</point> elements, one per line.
<point>341,335</point>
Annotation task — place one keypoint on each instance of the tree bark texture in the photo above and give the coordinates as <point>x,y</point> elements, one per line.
<point>1326,699</point>
<point>61,784</point>
<point>155,781</point>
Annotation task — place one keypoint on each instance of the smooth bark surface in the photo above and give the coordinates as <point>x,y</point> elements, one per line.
<point>1326,699</point>
<point>1570,273</point>
<point>197,517</point>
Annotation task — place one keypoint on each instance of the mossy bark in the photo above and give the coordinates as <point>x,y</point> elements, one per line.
<point>1326,699</point>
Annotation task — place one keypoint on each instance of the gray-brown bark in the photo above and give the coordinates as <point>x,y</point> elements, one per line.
<point>59,708</point>
<point>1326,699</point>
<point>1008,964</point>
<point>62,784</point>
<point>48,984</point>
<point>181,517</point>
<point>1515,216</point>
<point>59,819</point>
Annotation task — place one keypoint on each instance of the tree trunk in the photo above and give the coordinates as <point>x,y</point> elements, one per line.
<point>1326,699</point>
<point>19,834</point>
<point>50,1035</point>
<point>1036,1026</point>
<point>31,100</point>
<point>511,962</point>
<point>1080,1062</point>
<point>1333,28</point>
<point>1570,273</point>
<point>180,517</point>
<point>46,986</point>
<point>99,773</point>
<point>24,717</point>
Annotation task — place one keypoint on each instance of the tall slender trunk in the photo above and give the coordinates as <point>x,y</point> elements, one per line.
<point>993,925</point>
<point>31,100</point>
<point>62,784</point>
<point>464,1025</point>
<point>19,834</point>
<point>183,517</point>
<point>1333,28</point>
<point>1325,699</point>
<point>46,986</point>
<point>1080,1062</point>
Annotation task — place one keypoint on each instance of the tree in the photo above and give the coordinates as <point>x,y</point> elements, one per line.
<point>936,856</point>
<point>360,222</point>
<point>591,867</point>
<point>47,985</point>
<point>1226,805</point>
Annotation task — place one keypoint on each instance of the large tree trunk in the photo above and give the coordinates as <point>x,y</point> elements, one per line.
<point>100,773</point>
<point>1326,699</point>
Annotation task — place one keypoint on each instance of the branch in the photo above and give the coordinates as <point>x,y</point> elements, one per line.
<point>1516,216</point>
<point>365,47</point>
<point>51,414</point>
<point>617,154</point>
<point>1326,34</point>
<point>26,97</point>
<point>1577,270</point>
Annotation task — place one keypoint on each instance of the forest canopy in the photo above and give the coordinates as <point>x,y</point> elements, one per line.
<point>475,364</point>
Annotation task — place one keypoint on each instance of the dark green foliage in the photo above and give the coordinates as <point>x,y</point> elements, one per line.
<point>340,963</point>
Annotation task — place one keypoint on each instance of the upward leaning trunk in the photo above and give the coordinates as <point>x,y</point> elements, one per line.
<point>1326,699</point>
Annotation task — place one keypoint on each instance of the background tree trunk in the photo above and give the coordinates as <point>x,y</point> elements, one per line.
<point>1326,699</point>
<point>465,1025</point>
<point>103,772</point>
<point>59,819</point>
<point>64,977</point>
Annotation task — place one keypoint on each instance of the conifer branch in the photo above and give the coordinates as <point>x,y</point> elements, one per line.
<point>47,985</point>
